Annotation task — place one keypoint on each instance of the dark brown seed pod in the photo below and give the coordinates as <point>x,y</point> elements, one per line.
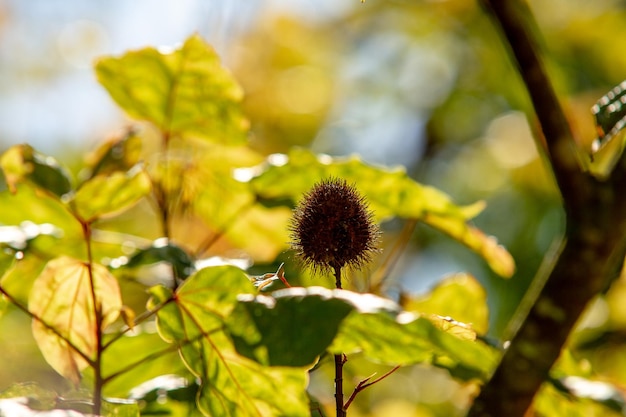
<point>332,227</point>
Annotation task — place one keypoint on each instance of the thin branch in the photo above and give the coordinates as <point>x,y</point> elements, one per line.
<point>148,358</point>
<point>206,244</point>
<point>158,354</point>
<point>364,384</point>
<point>382,273</point>
<point>138,320</point>
<point>97,311</point>
<point>25,310</point>
<point>319,410</point>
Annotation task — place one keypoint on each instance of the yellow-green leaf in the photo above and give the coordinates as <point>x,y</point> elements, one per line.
<point>62,298</point>
<point>409,339</point>
<point>497,257</point>
<point>22,163</point>
<point>185,92</point>
<point>236,386</point>
<point>232,385</point>
<point>390,192</point>
<point>119,154</point>
<point>109,194</point>
<point>460,297</point>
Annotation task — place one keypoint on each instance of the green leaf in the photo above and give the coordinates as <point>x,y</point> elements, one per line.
<point>18,237</point>
<point>125,359</point>
<point>201,181</point>
<point>119,154</point>
<point>61,298</point>
<point>108,194</point>
<point>33,395</point>
<point>610,115</point>
<point>390,192</point>
<point>202,303</point>
<point>185,92</point>
<point>4,305</point>
<point>168,395</point>
<point>30,399</point>
<point>261,232</point>
<point>231,384</point>
<point>407,339</point>
<point>497,257</point>
<point>236,386</point>
<point>579,398</point>
<point>290,329</point>
<point>119,407</point>
<point>22,163</point>
<point>459,296</point>
<point>159,252</point>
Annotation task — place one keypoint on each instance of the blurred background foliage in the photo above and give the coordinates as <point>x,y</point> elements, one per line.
<point>424,84</point>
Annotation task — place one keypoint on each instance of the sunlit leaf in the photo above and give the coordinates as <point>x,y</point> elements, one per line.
<point>31,206</point>
<point>407,339</point>
<point>61,298</point>
<point>610,115</point>
<point>261,232</point>
<point>460,297</point>
<point>557,400</point>
<point>31,399</point>
<point>18,237</point>
<point>390,192</point>
<point>202,303</point>
<point>237,386</point>
<point>128,316</point>
<point>120,407</point>
<point>497,257</point>
<point>164,252</point>
<point>202,182</point>
<point>108,194</point>
<point>4,304</point>
<point>125,359</point>
<point>30,394</point>
<point>231,384</point>
<point>22,163</point>
<point>290,329</point>
<point>185,92</point>
<point>119,154</point>
<point>168,395</point>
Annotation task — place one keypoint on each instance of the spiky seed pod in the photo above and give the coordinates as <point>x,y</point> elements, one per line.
<point>332,227</point>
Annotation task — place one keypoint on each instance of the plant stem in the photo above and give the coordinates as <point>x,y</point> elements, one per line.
<point>48,326</point>
<point>97,310</point>
<point>381,274</point>
<point>339,361</point>
<point>365,383</point>
<point>138,320</point>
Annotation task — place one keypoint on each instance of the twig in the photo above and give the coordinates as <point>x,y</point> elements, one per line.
<point>364,384</point>
<point>97,311</point>
<point>319,410</point>
<point>53,329</point>
<point>382,273</point>
<point>207,243</point>
<point>157,355</point>
<point>340,359</point>
<point>138,320</point>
